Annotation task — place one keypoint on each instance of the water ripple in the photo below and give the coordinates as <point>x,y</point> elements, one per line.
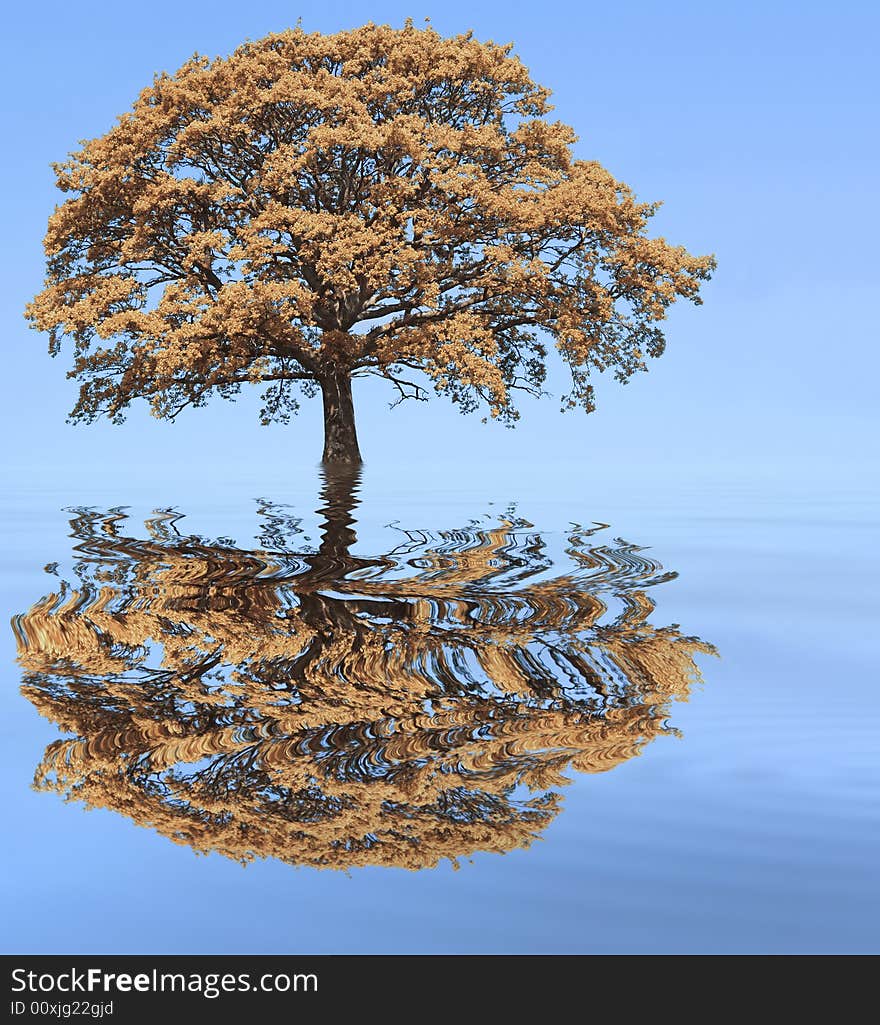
<point>333,710</point>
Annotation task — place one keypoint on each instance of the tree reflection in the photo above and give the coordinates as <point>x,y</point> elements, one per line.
<point>329,709</point>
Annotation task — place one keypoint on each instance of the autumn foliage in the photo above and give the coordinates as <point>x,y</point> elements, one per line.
<point>317,208</point>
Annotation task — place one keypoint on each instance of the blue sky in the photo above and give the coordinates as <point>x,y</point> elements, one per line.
<point>755,123</point>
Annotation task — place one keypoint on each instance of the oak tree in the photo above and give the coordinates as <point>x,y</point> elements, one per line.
<point>318,208</point>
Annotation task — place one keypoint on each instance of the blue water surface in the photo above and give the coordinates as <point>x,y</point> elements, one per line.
<point>751,825</point>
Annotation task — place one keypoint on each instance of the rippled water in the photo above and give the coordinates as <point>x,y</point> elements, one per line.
<point>669,732</point>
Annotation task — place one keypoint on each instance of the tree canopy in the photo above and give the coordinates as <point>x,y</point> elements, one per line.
<point>316,208</point>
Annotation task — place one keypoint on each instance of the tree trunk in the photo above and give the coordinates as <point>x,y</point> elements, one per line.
<point>340,436</point>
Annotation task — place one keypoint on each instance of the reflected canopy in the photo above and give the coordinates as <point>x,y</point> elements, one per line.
<point>335,710</point>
